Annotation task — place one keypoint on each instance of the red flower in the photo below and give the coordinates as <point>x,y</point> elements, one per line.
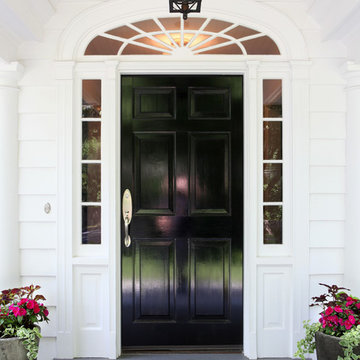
<point>23,301</point>
<point>338,309</point>
<point>329,310</point>
<point>352,320</point>
<point>22,312</point>
<point>46,312</point>
<point>17,311</point>
<point>36,308</point>
<point>350,301</point>
<point>348,325</point>
<point>358,305</point>
<point>30,304</point>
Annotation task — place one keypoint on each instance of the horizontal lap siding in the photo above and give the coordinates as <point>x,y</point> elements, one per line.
<point>327,176</point>
<point>38,186</point>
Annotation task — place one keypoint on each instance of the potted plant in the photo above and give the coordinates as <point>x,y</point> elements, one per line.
<point>337,333</point>
<point>20,312</point>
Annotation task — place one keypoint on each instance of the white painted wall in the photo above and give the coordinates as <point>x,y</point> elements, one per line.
<point>38,186</point>
<point>316,249</point>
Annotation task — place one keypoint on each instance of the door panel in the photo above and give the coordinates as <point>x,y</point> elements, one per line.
<point>210,103</point>
<point>181,146</point>
<point>154,173</point>
<point>154,280</point>
<point>209,173</point>
<point>209,279</point>
<point>151,103</point>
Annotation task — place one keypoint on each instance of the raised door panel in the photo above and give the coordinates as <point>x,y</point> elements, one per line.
<point>154,280</point>
<point>209,103</point>
<point>210,174</point>
<point>154,103</point>
<point>154,173</point>
<point>210,279</point>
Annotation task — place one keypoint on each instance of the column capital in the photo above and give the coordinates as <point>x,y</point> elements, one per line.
<point>253,66</point>
<point>10,73</point>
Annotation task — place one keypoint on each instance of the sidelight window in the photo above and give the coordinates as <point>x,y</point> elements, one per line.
<point>91,162</point>
<point>272,162</point>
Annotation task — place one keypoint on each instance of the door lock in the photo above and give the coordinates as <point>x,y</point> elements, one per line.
<point>127,215</point>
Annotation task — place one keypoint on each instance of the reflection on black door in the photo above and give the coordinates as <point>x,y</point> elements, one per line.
<point>182,159</point>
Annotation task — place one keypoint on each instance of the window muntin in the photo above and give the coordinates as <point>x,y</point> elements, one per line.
<point>272,162</point>
<point>91,163</point>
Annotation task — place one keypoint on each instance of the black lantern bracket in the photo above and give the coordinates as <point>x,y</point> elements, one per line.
<point>185,7</point>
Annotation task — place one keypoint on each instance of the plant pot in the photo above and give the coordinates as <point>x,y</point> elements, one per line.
<point>328,347</point>
<point>12,349</point>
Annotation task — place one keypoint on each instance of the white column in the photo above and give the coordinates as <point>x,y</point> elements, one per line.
<point>9,239</point>
<point>352,228</point>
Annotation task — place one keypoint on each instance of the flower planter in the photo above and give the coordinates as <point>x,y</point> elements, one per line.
<point>328,347</point>
<point>12,349</point>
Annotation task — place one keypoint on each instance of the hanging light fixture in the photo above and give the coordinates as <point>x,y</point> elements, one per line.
<point>184,6</point>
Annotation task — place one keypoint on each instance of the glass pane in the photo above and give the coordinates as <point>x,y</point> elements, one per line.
<point>261,46</point>
<point>272,224</point>
<point>199,38</point>
<point>91,140</point>
<point>272,136</point>
<point>193,23</point>
<point>212,42</point>
<point>272,182</point>
<point>272,98</point>
<point>103,46</point>
<point>91,225</point>
<point>148,41</point>
<point>139,50</point>
<point>217,25</point>
<point>241,31</point>
<point>229,49</point>
<point>91,182</point>
<point>171,23</point>
<point>123,32</point>
<point>91,98</point>
<point>147,25</point>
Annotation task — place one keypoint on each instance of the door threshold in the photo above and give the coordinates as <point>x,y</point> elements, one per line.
<point>206,349</point>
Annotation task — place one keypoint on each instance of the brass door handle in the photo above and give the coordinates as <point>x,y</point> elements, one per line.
<point>127,215</point>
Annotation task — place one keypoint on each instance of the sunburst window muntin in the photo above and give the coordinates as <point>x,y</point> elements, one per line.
<point>169,35</point>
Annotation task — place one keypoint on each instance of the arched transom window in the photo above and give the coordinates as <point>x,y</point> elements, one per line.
<point>173,35</point>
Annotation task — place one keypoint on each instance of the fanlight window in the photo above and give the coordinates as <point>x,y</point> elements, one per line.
<point>166,36</point>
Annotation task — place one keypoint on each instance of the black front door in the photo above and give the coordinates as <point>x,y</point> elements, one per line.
<point>182,160</point>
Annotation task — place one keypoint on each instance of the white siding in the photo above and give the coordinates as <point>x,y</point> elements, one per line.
<point>327,176</point>
<point>38,186</point>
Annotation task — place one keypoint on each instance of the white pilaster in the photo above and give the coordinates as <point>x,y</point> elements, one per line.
<point>65,339</point>
<point>9,240</point>
<point>352,235</point>
<point>250,204</point>
<point>300,103</point>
